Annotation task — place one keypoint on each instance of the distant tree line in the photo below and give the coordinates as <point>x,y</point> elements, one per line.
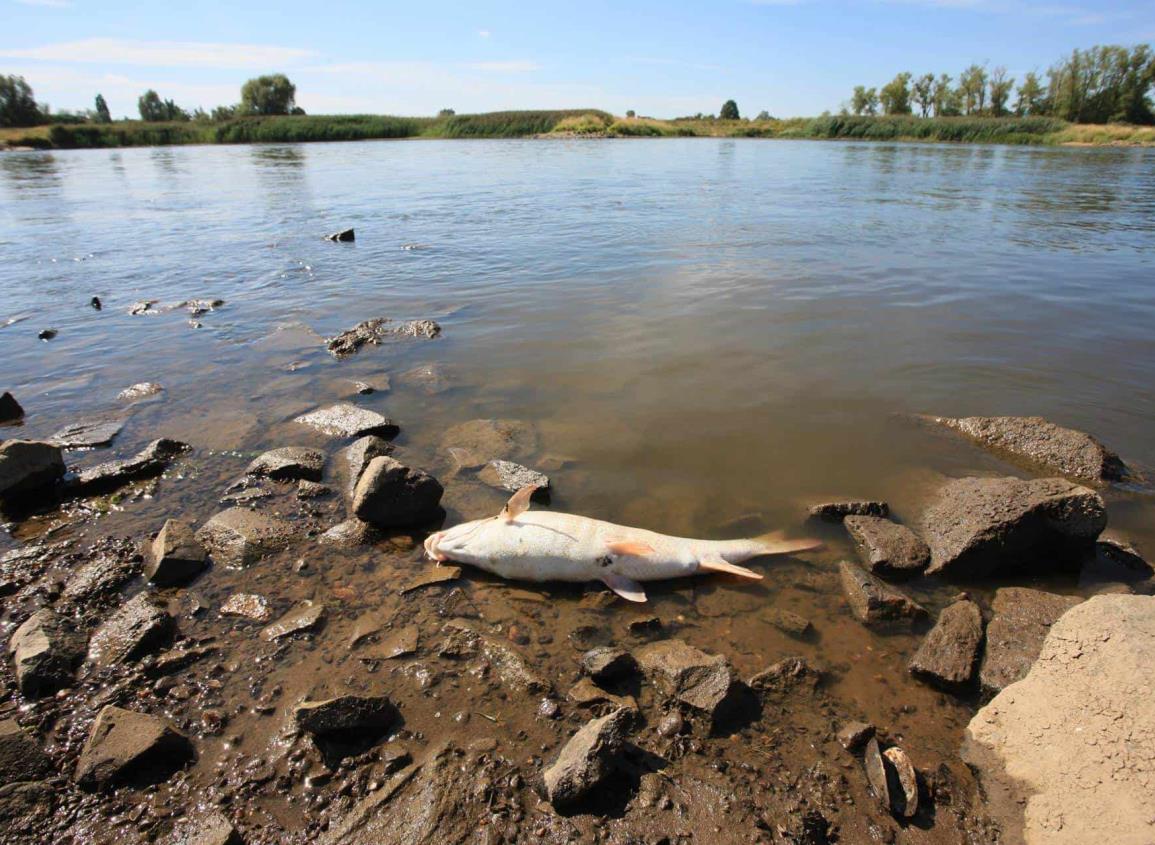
<point>1108,84</point>
<point>263,95</point>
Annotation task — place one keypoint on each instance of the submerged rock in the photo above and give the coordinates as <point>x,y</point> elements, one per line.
<point>90,434</point>
<point>351,533</point>
<point>788,674</point>
<point>1074,454</point>
<point>21,757</point>
<point>376,331</point>
<point>175,557</point>
<point>345,713</point>
<point>702,681</point>
<point>854,735</point>
<point>150,462</point>
<point>976,526</point>
<point>98,580</point>
<point>239,537</point>
<point>477,442</point>
<point>10,410</point>
<point>127,746</point>
<point>247,606</point>
<point>788,622</point>
<point>46,649</point>
<point>429,575</point>
<point>28,469</point>
<point>304,617</point>
<point>608,664</point>
<point>511,477</point>
<point>347,420</point>
<point>587,759</point>
<point>141,390</point>
<point>137,628</point>
<point>838,511</point>
<point>345,235</point>
<point>947,656</point>
<point>289,463</point>
<point>392,495</point>
<point>1066,753</point>
<point>887,548</point>
<point>874,602</point>
<point>1020,623</point>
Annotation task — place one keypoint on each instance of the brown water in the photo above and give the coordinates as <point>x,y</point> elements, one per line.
<point>707,330</point>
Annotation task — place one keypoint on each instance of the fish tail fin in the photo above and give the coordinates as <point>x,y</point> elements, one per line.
<point>775,544</point>
<point>716,563</point>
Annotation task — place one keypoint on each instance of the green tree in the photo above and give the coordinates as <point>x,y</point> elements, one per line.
<point>630,113</point>
<point>729,111</point>
<point>763,115</point>
<point>1000,87</point>
<point>222,113</point>
<point>153,109</point>
<point>922,93</point>
<point>1032,98</point>
<point>972,87</point>
<point>895,95</point>
<point>272,94</point>
<point>102,114</point>
<point>446,113</point>
<point>17,104</point>
<point>864,100</point>
<point>945,96</point>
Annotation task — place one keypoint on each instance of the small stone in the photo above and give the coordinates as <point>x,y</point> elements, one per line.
<point>239,537</point>
<point>347,420</point>
<point>887,548</point>
<point>876,772</point>
<point>345,236</point>
<point>125,746</point>
<point>137,628</point>
<point>345,713</point>
<point>702,681</point>
<point>304,617</point>
<point>788,622</point>
<point>606,664</point>
<point>207,828</point>
<point>21,757</point>
<point>429,575</point>
<point>10,410</point>
<point>854,735</point>
<point>47,334</point>
<point>91,434</point>
<point>398,644</point>
<point>350,534</point>
<point>312,490</point>
<point>671,724</point>
<point>289,463</point>
<point>585,693</point>
<point>174,557</point>
<point>511,477</point>
<point>947,657</point>
<point>874,602</point>
<point>392,495</point>
<point>247,606</point>
<point>902,782</point>
<point>645,627</point>
<point>838,511</point>
<point>589,757</point>
<point>46,648</point>
<point>787,674</point>
<point>141,390</point>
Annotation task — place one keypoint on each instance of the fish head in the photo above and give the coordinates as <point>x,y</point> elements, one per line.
<point>465,543</point>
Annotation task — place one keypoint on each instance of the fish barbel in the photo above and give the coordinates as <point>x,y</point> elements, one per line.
<point>549,546</point>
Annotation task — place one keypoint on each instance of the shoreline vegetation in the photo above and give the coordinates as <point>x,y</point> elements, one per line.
<point>584,123</point>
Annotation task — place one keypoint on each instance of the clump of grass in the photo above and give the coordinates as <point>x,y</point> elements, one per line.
<point>1112,134</point>
<point>648,127</point>
<point>591,123</point>
<point>506,124</point>
<point>996,130</point>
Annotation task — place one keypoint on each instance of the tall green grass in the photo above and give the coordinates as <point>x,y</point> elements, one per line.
<point>979,130</point>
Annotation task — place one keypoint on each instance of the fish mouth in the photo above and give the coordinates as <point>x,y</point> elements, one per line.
<point>431,547</point>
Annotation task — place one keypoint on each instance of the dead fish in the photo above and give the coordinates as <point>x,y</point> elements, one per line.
<point>550,546</point>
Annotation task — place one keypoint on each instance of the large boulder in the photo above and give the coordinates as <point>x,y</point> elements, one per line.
<point>136,629</point>
<point>1020,623</point>
<point>702,681</point>
<point>1067,755</point>
<point>149,462</point>
<point>887,548</point>
<point>976,526</point>
<point>176,556</point>
<point>874,602</point>
<point>239,537</point>
<point>947,656</point>
<point>289,463</point>
<point>348,420</point>
<point>1074,454</point>
<point>28,469</point>
<point>46,649</point>
<point>587,758</point>
<point>125,746</point>
<point>392,495</point>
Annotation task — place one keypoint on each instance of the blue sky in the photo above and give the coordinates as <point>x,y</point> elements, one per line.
<point>791,57</point>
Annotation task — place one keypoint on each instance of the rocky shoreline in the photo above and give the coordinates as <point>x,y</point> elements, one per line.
<point>290,670</point>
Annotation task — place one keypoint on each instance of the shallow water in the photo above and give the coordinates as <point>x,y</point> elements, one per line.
<point>707,329</point>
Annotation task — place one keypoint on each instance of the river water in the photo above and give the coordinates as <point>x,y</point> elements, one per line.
<point>712,333</point>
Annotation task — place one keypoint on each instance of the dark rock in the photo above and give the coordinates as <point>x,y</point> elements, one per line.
<point>1114,561</point>
<point>89,434</point>
<point>346,713</point>
<point>47,334</point>
<point>135,629</point>
<point>786,675</point>
<point>429,575</point>
<point>345,235</point>
<point>347,420</point>
<point>25,805</point>
<point>392,495</point>
<point>10,410</point>
<point>977,526</point>
<point>838,511</point>
<point>99,579</point>
<point>947,657</point>
<point>787,622</point>
<point>477,442</point>
<point>702,681</point>
<point>645,627</point>
<point>142,390</point>
<point>304,617</point>
<point>175,557</point>
<point>313,490</point>
<point>149,462</point>
<point>247,606</point>
<point>289,463</point>
<point>129,747</point>
<point>854,735</point>
<point>1074,454</point>
<point>608,664</point>
<point>199,307</point>
<point>208,828</point>
<point>350,534</point>
<point>511,477</point>
<point>874,602</point>
<point>887,548</point>
<point>21,757</point>
<point>376,331</point>
<point>28,469</point>
<point>587,759</point>
<point>95,303</point>
<point>46,650</point>
<point>239,537</point>
<point>1021,619</point>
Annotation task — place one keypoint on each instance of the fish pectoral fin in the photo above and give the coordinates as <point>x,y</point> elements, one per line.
<point>627,588</point>
<point>716,563</point>
<point>518,503</point>
<point>629,548</point>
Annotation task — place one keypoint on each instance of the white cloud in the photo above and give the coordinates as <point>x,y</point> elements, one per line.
<point>164,53</point>
<point>512,66</point>
<point>50,4</point>
<point>484,33</point>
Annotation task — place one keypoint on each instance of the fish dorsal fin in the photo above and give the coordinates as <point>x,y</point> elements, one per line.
<point>518,503</point>
<point>716,563</point>
<point>627,588</point>
<point>629,548</point>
